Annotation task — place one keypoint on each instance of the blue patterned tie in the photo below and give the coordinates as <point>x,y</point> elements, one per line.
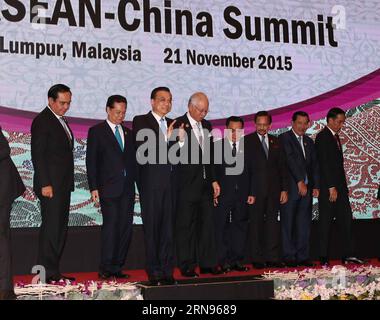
<point>118,138</point>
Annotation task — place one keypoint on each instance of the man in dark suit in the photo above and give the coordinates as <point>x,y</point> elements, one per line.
<point>197,187</point>
<point>52,157</point>
<point>152,132</point>
<point>231,214</point>
<point>11,187</point>
<point>334,196</point>
<point>303,179</point>
<point>111,171</point>
<point>268,189</point>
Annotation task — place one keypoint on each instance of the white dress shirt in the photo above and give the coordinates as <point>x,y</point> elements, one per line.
<point>120,129</point>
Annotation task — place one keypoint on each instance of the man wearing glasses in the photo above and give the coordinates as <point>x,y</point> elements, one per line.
<point>197,189</point>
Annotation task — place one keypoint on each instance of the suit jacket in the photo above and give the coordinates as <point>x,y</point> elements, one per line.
<point>52,153</point>
<point>269,176</point>
<point>109,169</point>
<point>153,174</point>
<point>11,185</point>
<point>232,184</point>
<point>331,163</point>
<point>298,166</point>
<point>191,175</point>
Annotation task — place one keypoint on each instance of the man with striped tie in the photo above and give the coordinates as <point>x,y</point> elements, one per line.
<point>111,171</point>
<point>269,189</point>
<point>53,162</point>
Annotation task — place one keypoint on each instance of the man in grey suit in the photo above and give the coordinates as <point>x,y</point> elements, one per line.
<point>11,187</point>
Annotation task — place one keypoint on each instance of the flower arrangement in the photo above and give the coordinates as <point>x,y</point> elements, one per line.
<point>89,290</point>
<point>336,283</point>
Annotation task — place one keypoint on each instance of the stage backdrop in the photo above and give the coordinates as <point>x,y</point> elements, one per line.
<point>246,56</point>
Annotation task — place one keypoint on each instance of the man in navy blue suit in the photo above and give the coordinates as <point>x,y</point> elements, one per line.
<point>157,186</point>
<point>111,171</point>
<point>231,212</point>
<point>303,181</point>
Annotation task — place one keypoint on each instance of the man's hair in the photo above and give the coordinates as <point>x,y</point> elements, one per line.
<point>115,98</point>
<point>300,114</point>
<point>263,114</point>
<point>234,119</point>
<point>155,90</point>
<point>334,112</point>
<point>57,88</point>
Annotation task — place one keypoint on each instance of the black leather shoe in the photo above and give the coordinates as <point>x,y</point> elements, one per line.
<point>275,264</point>
<point>155,282</point>
<point>306,263</point>
<point>226,268</point>
<point>7,295</point>
<point>189,274</point>
<point>352,260</point>
<point>58,278</point>
<point>291,264</point>
<point>323,261</point>
<point>214,271</point>
<point>120,275</point>
<point>259,265</point>
<point>239,267</point>
<point>105,275</point>
<point>170,281</point>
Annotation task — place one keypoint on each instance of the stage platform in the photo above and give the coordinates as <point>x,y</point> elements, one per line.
<point>252,285</point>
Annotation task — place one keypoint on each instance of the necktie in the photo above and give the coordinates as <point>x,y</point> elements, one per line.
<point>163,126</point>
<point>66,128</point>
<point>200,137</point>
<point>303,152</point>
<point>301,144</point>
<point>118,138</point>
<point>265,147</point>
<point>338,142</point>
<point>234,149</point>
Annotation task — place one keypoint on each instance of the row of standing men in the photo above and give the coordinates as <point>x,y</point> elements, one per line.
<point>194,211</point>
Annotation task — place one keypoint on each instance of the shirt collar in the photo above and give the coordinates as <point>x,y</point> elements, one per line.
<point>157,117</point>
<point>260,136</point>
<point>112,125</point>
<point>331,130</point>
<point>58,117</point>
<point>297,136</point>
<point>192,121</point>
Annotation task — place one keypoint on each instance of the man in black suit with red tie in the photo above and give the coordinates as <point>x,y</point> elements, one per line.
<point>303,179</point>
<point>152,132</point>
<point>231,215</point>
<point>111,171</point>
<point>11,187</point>
<point>334,194</point>
<point>52,156</point>
<point>269,189</point>
<point>197,187</point>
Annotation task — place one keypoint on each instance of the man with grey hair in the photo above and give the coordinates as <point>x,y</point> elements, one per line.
<point>197,188</point>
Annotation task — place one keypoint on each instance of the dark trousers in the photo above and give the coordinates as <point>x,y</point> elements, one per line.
<point>53,230</point>
<point>116,230</point>
<point>231,221</point>
<point>157,206</point>
<point>341,210</point>
<point>296,217</point>
<point>265,229</point>
<point>195,232</point>
<point>6,281</point>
